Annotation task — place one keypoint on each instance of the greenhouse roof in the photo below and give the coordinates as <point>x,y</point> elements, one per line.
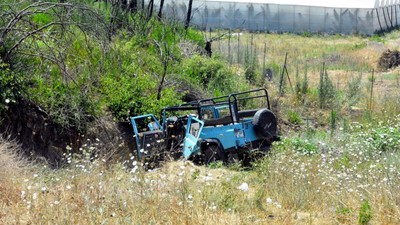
<point>361,4</point>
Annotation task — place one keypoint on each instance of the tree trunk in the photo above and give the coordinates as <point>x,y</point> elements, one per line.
<point>124,4</point>
<point>133,6</point>
<point>189,15</point>
<point>208,48</point>
<point>160,12</point>
<point>150,9</point>
<point>162,79</point>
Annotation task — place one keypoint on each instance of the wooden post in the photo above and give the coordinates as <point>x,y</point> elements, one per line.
<point>282,77</point>
<point>238,49</point>
<point>287,73</point>
<point>251,46</point>
<point>372,90</point>
<point>265,53</point>
<point>219,42</point>
<point>229,48</point>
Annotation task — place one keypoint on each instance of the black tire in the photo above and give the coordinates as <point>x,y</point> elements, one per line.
<point>265,124</point>
<point>213,153</point>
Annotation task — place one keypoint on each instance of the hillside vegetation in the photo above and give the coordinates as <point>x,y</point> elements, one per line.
<point>81,68</point>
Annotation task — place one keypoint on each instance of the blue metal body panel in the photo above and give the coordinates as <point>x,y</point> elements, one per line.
<point>225,134</point>
<point>249,133</point>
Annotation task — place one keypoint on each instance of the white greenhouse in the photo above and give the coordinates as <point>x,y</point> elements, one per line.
<point>314,16</point>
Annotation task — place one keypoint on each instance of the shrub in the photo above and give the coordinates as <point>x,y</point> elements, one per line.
<point>353,91</point>
<point>365,213</point>
<point>294,117</point>
<point>127,96</point>
<point>69,105</point>
<point>12,87</point>
<point>326,90</point>
<point>211,73</point>
<point>297,144</point>
<point>384,139</point>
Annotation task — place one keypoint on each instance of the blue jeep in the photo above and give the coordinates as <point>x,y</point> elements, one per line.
<point>213,129</point>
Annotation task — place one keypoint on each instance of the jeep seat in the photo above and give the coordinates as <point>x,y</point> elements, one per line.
<point>247,113</point>
<point>220,121</point>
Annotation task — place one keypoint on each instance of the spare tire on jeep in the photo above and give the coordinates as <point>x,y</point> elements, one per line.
<point>265,124</point>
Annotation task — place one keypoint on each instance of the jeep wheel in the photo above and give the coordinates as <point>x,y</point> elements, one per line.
<point>213,153</point>
<point>265,124</point>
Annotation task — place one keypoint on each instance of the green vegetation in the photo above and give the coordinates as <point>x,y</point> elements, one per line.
<point>77,73</point>
<point>12,87</point>
<point>365,213</point>
<point>294,117</point>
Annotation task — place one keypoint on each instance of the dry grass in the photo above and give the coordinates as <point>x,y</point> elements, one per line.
<point>345,58</point>
<point>289,187</point>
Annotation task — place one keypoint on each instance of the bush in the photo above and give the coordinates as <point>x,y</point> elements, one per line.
<point>327,91</point>
<point>12,87</point>
<point>127,96</point>
<point>294,117</point>
<point>365,213</point>
<point>385,139</point>
<point>353,91</point>
<point>297,144</point>
<point>211,73</point>
<point>69,105</point>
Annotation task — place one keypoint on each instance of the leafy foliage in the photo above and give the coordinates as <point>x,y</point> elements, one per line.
<point>12,87</point>
<point>297,144</point>
<point>294,117</point>
<point>365,213</point>
<point>326,89</point>
<point>210,73</point>
<point>353,91</point>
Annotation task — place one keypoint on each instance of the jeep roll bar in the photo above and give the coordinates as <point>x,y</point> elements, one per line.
<point>230,100</point>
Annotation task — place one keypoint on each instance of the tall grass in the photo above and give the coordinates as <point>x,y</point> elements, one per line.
<point>314,179</point>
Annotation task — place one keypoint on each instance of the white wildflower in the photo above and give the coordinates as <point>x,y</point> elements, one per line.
<point>244,187</point>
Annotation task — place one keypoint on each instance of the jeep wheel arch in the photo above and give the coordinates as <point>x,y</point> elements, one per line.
<point>212,151</point>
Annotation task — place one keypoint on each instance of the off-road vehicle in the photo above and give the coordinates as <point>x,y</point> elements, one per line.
<point>213,129</point>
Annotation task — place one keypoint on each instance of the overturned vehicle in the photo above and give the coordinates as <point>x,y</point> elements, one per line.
<point>209,130</point>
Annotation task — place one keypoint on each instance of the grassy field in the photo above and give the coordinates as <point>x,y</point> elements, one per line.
<point>337,164</point>
<point>319,178</point>
<point>349,62</point>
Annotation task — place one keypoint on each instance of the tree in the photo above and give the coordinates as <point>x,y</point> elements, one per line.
<point>133,6</point>
<point>22,24</point>
<point>165,55</point>
<point>150,9</point>
<point>189,15</point>
<point>160,11</point>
